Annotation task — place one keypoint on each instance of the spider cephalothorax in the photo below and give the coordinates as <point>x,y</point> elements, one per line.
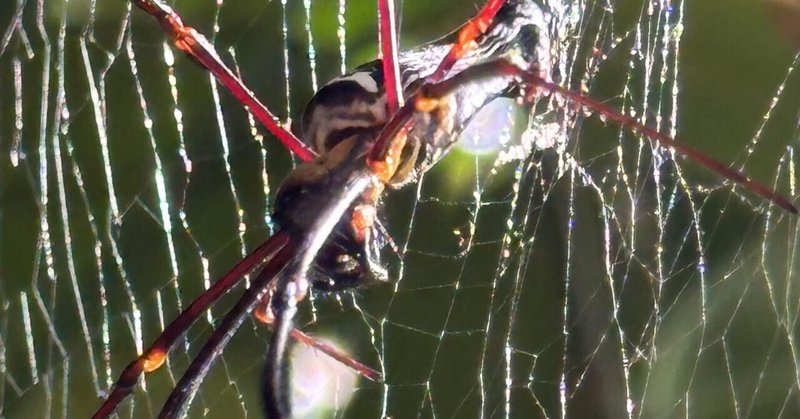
<point>347,115</point>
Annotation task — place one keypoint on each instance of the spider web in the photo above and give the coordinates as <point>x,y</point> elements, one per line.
<point>578,272</point>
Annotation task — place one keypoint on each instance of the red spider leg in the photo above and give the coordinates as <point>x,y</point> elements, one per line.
<point>712,164</point>
<point>339,356</point>
<point>347,184</point>
<point>466,41</point>
<point>610,113</point>
<point>187,387</point>
<point>264,314</point>
<point>156,354</point>
<point>391,67</point>
<point>193,43</point>
<point>288,267</point>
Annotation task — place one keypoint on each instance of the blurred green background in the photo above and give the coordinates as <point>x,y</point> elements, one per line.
<point>527,290</point>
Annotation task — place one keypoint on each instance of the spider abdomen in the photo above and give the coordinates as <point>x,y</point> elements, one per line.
<point>349,105</point>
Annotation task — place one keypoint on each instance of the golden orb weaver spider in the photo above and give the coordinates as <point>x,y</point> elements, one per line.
<point>360,172</point>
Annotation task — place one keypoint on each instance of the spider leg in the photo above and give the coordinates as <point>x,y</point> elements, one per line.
<point>692,153</point>
<point>435,116</point>
<point>466,41</point>
<point>429,101</point>
<point>466,38</point>
<point>277,403</point>
<point>351,181</point>
<point>188,40</point>
<point>155,355</point>
<point>263,314</point>
<point>334,353</point>
<point>178,401</point>
<point>391,65</point>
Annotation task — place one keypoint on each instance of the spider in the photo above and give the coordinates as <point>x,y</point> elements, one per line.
<point>360,139</point>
